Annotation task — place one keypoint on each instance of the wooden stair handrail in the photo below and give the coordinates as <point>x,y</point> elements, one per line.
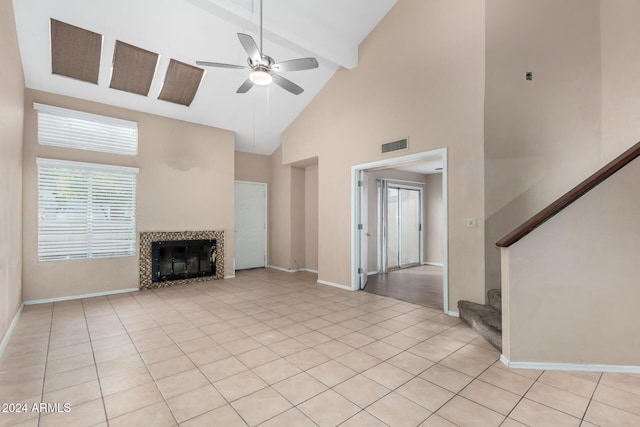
<point>580,190</point>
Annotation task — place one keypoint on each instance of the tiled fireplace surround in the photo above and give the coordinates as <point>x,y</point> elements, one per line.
<point>146,238</point>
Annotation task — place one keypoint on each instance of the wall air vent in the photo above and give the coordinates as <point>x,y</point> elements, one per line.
<point>401,144</point>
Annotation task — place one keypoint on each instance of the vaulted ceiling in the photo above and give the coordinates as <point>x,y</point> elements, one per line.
<point>184,31</point>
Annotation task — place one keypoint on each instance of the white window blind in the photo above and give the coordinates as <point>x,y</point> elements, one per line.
<point>85,210</point>
<point>62,127</point>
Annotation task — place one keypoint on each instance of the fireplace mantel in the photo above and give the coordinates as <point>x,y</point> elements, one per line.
<point>147,237</point>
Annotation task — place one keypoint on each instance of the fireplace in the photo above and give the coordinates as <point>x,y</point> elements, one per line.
<point>182,259</point>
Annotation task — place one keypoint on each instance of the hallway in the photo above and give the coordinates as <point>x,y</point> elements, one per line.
<point>420,285</point>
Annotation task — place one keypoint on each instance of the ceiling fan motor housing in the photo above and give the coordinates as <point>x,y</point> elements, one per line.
<point>264,64</point>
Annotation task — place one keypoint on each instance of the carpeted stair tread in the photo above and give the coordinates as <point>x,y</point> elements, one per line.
<point>484,319</point>
<point>495,299</point>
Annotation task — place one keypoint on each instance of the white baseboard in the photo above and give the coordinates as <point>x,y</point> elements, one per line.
<point>286,270</point>
<point>7,335</point>
<point>231,276</point>
<point>293,270</point>
<point>436,264</point>
<point>452,313</point>
<point>72,297</point>
<point>622,369</point>
<point>371,273</point>
<point>335,285</point>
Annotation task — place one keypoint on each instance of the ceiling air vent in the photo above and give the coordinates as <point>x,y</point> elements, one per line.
<point>401,144</point>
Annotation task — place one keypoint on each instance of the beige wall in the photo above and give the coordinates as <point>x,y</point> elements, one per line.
<point>279,212</point>
<point>251,167</point>
<point>11,121</point>
<point>433,219</point>
<point>298,223</point>
<point>311,217</point>
<point>573,283</point>
<point>542,137</point>
<point>185,183</point>
<point>293,213</point>
<point>420,74</point>
<point>620,71</point>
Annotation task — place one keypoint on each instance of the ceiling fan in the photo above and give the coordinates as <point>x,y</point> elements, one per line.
<point>264,68</point>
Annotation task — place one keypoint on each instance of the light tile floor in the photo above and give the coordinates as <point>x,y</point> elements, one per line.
<point>276,349</point>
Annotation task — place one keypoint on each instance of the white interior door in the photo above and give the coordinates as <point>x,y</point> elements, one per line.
<point>250,225</point>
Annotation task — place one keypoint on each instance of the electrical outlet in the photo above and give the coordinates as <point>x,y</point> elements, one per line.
<point>472,222</point>
<point>528,75</point>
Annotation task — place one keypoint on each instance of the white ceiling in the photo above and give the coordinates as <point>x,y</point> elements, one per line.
<point>190,30</point>
<point>425,168</point>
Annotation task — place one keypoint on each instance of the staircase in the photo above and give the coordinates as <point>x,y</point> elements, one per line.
<point>485,319</point>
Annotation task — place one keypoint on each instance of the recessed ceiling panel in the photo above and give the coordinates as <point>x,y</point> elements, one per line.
<point>133,68</point>
<point>181,83</point>
<point>75,52</point>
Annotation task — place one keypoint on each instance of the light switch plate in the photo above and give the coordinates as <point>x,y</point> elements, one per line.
<point>472,222</point>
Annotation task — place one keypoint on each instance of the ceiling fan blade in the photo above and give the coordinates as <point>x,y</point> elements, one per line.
<point>219,65</point>
<point>250,46</point>
<point>244,87</point>
<point>296,65</point>
<point>287,84</point>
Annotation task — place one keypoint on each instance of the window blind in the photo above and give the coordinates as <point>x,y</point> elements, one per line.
<point>62,127</point>
<point>85,210</point>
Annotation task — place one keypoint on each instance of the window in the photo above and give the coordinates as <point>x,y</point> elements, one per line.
<point>75,129</point>
<point>85,210</point>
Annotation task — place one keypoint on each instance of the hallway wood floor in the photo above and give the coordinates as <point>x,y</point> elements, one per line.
<point>420,285</point>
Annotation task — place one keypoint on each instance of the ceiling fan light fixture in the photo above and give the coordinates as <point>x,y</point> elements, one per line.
<point>261,78</point>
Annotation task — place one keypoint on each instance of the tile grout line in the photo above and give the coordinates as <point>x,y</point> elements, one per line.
<point>46,361</point>
<point>145,364</point>
<point>459,391</point>
<point>414,376</point>
<point>232,355</point>
<point>196,366</point>
<point>523,396</point>
<point>591,399</point>
<point>95,362</point>
<point>608,405</point>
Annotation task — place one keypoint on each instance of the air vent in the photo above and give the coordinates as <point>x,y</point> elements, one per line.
<point>401,144</point>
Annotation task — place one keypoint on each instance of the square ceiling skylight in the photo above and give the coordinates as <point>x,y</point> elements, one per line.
<point>181,83</point>
<point>133,68</point>
<point>75,52</point>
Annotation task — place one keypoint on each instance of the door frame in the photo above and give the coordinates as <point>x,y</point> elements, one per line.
<point>356,209</point>
<point>266,221</point>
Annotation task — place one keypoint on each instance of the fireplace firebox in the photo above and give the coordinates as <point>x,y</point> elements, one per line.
<point>182,259</point>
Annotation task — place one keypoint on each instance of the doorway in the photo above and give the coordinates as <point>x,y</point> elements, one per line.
<point>250,225</point>
<point>405,251</point>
